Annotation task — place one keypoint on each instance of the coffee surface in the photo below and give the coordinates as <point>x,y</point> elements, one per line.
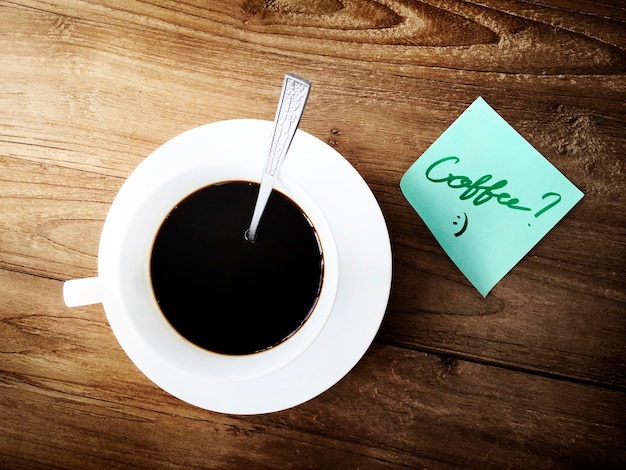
<point>224,293</point>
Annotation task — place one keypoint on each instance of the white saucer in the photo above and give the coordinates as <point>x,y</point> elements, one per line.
<point>364,282</point>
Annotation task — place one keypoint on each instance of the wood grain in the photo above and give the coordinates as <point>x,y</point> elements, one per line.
<point>534,375</point>
<point>74,400</point>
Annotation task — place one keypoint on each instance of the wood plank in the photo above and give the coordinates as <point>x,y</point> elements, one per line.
<point>52,218</point>
<point>74,400</point>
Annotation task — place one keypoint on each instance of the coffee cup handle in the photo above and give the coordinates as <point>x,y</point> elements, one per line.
<point>80,292</point>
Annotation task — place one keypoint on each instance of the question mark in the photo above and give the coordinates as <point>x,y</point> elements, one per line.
<point>551,205</point>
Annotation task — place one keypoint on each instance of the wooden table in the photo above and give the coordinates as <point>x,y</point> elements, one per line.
<point>532,376</point>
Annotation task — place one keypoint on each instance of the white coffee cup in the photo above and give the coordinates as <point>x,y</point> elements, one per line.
<point>123,285</point>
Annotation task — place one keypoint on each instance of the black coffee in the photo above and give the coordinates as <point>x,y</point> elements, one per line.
<point>224,293</point>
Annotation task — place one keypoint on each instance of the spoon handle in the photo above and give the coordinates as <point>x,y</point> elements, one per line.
<point>293,99</point>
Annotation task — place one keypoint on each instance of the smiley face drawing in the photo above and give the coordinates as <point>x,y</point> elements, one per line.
<point>463,228</point>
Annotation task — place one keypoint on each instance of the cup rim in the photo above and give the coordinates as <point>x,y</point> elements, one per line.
<point>145,199</point>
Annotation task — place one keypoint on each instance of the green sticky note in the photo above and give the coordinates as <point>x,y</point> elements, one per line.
<point>486,194</point>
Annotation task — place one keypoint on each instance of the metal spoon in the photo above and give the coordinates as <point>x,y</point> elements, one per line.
<point>293,99</point>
